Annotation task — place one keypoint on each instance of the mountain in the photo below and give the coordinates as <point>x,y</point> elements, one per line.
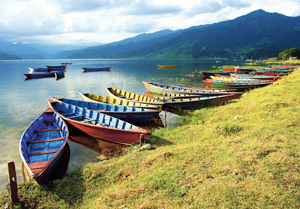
<point>243,34</point>
<point>23,51</point>
<point>130,44</point>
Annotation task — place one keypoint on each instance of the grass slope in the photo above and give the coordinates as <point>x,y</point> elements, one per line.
<point>244,154</point>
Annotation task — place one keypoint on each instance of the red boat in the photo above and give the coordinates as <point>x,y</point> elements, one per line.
<point>99,125</point>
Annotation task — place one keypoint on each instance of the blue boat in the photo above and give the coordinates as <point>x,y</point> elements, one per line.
<point>39,75</point>
<point>126,113</point>
<point>85,69</point>
<point>42,145</point>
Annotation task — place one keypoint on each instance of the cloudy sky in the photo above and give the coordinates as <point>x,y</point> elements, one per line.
<point>106,21</point>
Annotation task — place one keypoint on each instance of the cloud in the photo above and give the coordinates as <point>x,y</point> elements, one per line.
<point>203,8</point>
<point>236,3</point>
<point>146,7</point>
<point>296,12</point>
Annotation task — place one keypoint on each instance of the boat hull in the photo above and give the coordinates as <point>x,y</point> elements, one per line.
<point>218,84</point>
<point>96,69</point>
<point>166,66</point>
<point>39,75</point>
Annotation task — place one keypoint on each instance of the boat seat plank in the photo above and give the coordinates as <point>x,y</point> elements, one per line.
<point>46,130</point>
<point>85,121</point>
<point>36,170</point>
<point>75,116</point>
<point>49,121</point>
<point>38,165</point>
<point>46,140</point>
<point>42,153</point>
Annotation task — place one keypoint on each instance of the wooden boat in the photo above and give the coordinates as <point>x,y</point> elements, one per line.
<point>99,125</point>
<point>55,66</point>
<point>161,88</point>
<point>170,96</point>
<point>38,69</point>
<point>257,77</point>
<point>233,84</point>
<point>196,103</point>
<point>39,75</point>
<point>98,98</point>
<point>208,74</point>
<point>42,145</point>
<point>128,114</point>
<point>239,70</point>
<point>166,66</point>
<point>263,70</point>
<point>96,69</point>
<point>236,79</point>
<point>132,97</point>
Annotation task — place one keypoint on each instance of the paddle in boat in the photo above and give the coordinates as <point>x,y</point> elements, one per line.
<point>127,96</point>
<point>128,114</point>
<point>43,144</point>
<point>161,88</point>
<point>99,125</point>
<point>85,69</point>
<point>111,100</point>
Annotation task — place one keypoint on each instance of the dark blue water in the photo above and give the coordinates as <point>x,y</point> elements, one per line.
<point>24,100</point>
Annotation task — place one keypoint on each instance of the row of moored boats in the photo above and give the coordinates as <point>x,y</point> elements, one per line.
<point>114,118</point>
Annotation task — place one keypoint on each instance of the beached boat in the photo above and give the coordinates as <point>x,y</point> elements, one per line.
<point>161,88</point>
<point>127,96</point>
<point>196,103</point>
<point>170,96</point>
<point>234,84</point>
<point>166,66</point>
<point>236,79</point>
<point>85,69</point>
<point>39,75</point>
<point>257,77</point>
<point>42,145</point>
<point>128,114</point>
<point>98,98</point>
<point>99,125</point>
<point>238,69</point>
<point>208,74</point>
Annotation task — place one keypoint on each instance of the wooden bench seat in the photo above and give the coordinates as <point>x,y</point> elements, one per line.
<point>85,121</point>
<point>46,140</point>
<point>37,167</point>
<point>42,153</point>
<point>75,116</point>
<point>46,130</point>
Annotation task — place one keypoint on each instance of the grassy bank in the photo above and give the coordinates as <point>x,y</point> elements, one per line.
<point>244,154</point>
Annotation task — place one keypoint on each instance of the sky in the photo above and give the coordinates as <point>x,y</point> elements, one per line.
<point>88,22</point>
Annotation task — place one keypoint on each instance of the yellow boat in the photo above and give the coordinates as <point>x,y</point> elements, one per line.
<point>102,99</point>
<point>128,97</point>
<point>166,66</point>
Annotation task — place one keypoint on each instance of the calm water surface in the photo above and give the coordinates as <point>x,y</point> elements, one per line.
<point>22,100</point>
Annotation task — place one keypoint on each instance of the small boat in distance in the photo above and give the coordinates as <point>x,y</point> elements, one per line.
<point>85,69</point>
<point>42,145</point>
<point>56,66</point>
<point>40,75</point>
<point>166,66</point>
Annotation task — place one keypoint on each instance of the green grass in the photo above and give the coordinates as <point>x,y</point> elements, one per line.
<point>245,154</point>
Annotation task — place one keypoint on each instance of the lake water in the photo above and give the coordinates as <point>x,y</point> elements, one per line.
<point>24,100</point>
